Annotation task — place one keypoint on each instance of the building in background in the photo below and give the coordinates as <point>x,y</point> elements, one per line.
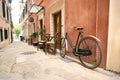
<point>5,23</point>
<point>24,7</point>
<point>98,17</point>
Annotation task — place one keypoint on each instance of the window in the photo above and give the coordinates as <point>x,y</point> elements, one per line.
<point>34,27</point>
<point>7,14</point>
<point>6,33</point>
<point>1,35</point>
<point>3,8</point>
<point>26,7</point>
<point>23,13</point>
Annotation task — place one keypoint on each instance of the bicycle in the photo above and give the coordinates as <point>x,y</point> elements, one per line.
<point>86,48</point>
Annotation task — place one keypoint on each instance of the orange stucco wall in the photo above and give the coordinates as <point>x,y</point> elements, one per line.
<point>92,16</point>
<point>80,13</point>
<point>47,4</point>
<point>102,20</point>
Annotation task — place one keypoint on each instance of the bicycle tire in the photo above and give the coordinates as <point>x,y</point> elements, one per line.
<point>90,61</point>
<point>63,47</point>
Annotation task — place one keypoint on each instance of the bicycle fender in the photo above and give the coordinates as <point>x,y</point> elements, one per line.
<point>93,37</point>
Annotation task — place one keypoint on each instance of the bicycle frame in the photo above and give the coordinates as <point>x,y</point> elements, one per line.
<point>70,42</point>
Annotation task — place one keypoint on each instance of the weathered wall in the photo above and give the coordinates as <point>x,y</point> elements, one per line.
<point>113,61</point>
<point>4,25</point>
<point>47,14</point>
<point>80,13</point>
<point>102,20</point>
<point>0,8</point>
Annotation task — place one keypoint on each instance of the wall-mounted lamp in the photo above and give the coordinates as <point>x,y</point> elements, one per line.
<point>31,19</point>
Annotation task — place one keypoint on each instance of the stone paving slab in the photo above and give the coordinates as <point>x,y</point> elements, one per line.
<point>20,61</point>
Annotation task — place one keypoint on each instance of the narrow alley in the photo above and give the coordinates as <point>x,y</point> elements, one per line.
<point>20,61</point>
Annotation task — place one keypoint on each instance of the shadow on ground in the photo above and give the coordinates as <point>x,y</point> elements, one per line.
<point>29,52</point>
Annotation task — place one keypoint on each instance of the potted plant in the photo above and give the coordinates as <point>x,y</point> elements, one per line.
<point>41,32</point>
<point>34,36</point>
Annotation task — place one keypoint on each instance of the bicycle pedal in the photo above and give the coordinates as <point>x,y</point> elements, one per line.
<point>75,53</point>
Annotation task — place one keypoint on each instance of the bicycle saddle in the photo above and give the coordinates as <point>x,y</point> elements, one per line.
<point>78,28</point>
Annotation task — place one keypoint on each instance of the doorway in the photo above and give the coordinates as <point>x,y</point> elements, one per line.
<point>41,28</point>
<point>57,27</point>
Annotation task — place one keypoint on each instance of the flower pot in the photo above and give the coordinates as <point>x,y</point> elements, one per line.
<point>35,43</point>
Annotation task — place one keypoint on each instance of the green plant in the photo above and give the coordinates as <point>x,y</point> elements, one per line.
<point>41,32</point>
<point>34,35</point>
<point>16,30</point>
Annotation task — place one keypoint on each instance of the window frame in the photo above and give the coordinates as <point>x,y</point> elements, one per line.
<point>3,8</point>
<point>1,35</point>
<point>5,34</point>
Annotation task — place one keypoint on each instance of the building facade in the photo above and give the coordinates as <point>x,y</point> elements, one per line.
<point>27,28</point>
<point>5,23</point>
<point>113,48</point>
<point>24,7</point>
<point>95,16</point>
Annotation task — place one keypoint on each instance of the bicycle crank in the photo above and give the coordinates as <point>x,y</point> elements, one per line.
<point>84,52</point>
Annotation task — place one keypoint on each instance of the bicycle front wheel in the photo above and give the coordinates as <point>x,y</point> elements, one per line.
<point>63,47</point>
<point>92,60</point>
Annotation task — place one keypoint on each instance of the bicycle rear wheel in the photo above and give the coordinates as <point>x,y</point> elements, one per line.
<point>63,47</point>
<point>94,59</point>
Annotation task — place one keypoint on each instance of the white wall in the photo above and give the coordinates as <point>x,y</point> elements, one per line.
<point>113,57</point>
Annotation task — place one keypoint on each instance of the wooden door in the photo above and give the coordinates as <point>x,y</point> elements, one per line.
<point>57,27</point>
<point>41,28</point>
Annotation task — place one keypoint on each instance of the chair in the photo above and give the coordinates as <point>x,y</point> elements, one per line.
<point>41,43</point>
<point>50,46</point>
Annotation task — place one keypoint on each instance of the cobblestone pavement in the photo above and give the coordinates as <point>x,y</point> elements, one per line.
<point>19,61</point>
